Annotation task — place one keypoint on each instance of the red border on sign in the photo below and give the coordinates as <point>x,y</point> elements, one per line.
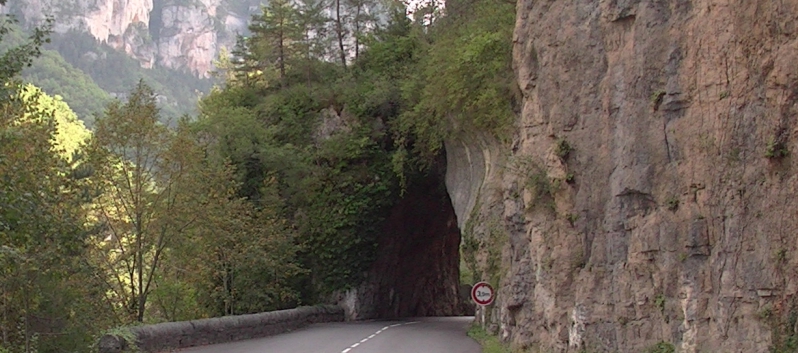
<point>474,293</point>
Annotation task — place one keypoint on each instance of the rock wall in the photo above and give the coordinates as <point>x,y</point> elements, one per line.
<point>170,336</point>
<point>648,193</point>
<point>417,271</point>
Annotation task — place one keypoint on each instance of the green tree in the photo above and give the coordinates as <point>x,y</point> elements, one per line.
<point>340,31</point>
<point>463,79</point>
<point>56,76</point>
<point>243,258</point>
<point>140,166</point>
<point>17,58</point>
<point>275,35</point>
<point>46,286</point>
<point>337,148</point>
<point>313,21</point>
<point>362,19</point>
<point>42,237</point>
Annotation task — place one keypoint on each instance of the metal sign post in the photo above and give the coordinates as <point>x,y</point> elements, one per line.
<point>482,294</point>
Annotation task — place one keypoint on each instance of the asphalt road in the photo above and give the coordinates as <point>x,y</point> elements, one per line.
<point>422,335</point>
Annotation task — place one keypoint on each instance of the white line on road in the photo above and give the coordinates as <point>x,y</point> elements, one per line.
<point>375,335</point>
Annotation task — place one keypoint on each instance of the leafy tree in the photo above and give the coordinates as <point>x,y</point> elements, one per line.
<point>224,68</point>
<point>361,20</point>
<point>340,31</point>
<point>242,258</point>
<point>313,21</point>
<point>54,75</point>
<point>17,58</point>
<point>275,34</point>
<point>140,167</point>
<point>48,289</point>
<point>463,79</point>
<point>335,189</point>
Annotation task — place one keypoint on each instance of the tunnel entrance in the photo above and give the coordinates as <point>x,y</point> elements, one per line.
<point>417,271</point>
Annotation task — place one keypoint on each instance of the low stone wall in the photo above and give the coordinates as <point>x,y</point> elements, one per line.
<point>174,335</point>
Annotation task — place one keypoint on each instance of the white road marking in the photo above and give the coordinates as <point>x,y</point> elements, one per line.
<point>375,335</point>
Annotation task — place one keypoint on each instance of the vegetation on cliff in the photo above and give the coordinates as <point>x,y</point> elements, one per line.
<point>273,196</point>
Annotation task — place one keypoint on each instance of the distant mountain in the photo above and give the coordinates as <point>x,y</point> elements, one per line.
<point>177,34</point>
<point>101,48</point>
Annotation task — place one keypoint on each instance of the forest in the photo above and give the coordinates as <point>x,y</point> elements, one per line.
<point>270,197</point>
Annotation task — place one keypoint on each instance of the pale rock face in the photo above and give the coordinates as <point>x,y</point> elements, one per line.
<point>108,18</point>
<point>677,226</point>
<point>189,38</point>
<point>104,19</point>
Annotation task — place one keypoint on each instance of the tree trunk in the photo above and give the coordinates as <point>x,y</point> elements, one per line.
<point>4,321</point>
<point>281,50</point>
<point>357,31</point>
<point>139,219</point>
<point>140,274</point>
<point>308,54</point>
<point>340,31</point>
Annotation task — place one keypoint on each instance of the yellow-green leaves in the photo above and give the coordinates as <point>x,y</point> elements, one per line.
<point>70,133</point>
<point>42,233</point>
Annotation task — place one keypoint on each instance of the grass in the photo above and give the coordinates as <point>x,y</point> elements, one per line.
<point>659,302</point>
<point>570,178</point>
<point>656,98</point>
<point>563,149</point>
<point>781,255</point>
<point>572,218</point>
<point>785,337</point>
<point>776,149</point>
<point>542,187</point>
<point>661,347</point>
<point>489,343</point>
<point>672,203</point>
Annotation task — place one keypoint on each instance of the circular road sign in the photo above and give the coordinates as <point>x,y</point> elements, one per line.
<point>482,293</point>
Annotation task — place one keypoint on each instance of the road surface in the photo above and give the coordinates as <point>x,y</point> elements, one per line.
<point>422,335</point>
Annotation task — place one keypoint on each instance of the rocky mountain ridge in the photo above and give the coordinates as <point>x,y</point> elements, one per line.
<point>177,34</point>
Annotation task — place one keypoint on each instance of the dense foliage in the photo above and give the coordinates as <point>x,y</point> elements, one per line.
<point>344,139</point>
<point>47,289</point>
<point>273,196</point>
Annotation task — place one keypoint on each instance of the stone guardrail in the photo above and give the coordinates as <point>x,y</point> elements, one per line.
<point>169,336</point>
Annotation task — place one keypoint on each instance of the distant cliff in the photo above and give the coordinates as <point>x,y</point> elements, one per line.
<point>178,34</point>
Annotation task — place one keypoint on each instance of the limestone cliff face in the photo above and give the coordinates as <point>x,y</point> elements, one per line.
<point>187,37</point>
<point>180,34</point>
<point>649,194</point>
